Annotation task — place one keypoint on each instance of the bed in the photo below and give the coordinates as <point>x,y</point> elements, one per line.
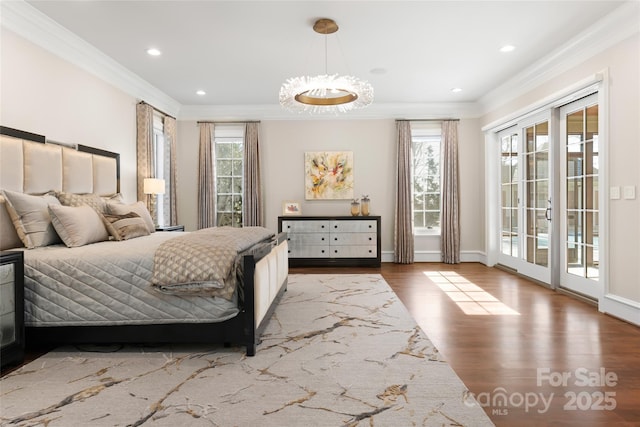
<point>82,286</point>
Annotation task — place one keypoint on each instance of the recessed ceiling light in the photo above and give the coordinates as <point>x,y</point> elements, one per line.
<point>154,52</point>
<point>507,48</point>
<point>378,70</point>
<point>201,92</point>
<point>456,90</point>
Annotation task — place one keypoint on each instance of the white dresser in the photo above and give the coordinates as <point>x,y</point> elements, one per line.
<point>332,240</point>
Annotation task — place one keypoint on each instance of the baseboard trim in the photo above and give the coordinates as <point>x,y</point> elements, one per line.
<point>434,256</point>
<point>620,308</point>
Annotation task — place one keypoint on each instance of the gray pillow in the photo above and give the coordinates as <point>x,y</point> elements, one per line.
<point>78,225</point>
<point>30,217</point>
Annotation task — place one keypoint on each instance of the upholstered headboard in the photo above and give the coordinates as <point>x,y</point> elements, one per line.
<point>29,164</point>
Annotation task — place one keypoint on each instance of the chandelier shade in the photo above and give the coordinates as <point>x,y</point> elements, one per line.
<point>325,93</point>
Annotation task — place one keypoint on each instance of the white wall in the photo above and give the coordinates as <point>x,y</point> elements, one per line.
<point>283,144</point>
<point>622,63</point>
<point>44,94</point>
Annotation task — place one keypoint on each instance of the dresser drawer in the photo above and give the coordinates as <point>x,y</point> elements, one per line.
<point>360,226</point>
<point>342,239</point>
<point>309,252</point>
<point>354,251</point>
<point>305,239</point>
<point>311,226</point>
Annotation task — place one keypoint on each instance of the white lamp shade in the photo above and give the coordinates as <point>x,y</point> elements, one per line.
<point>153,186</point>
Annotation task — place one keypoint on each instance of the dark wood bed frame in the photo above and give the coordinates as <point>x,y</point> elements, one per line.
<point>239,330</point>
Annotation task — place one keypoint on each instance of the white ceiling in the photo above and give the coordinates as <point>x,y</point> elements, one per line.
<point>240,52</point>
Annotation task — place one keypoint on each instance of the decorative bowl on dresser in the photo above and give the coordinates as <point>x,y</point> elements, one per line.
<point>11,307</point>
<point>332,240</point>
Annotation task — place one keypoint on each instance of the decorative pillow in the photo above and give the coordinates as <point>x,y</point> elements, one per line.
<point>114,198</point>
<point>125,226</point>
<point>78,225</point>
<point>31,219</point>
<point>9,238</point>
<point>88,199</point>
<point>139,207</point>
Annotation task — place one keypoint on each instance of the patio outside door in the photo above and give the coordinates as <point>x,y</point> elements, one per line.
<point>526,180</point>
<point>579,124</point>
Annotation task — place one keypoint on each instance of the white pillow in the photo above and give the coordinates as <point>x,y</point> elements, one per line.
<point>78,225</point>
<point>31,219</point>
<point>139,207</point>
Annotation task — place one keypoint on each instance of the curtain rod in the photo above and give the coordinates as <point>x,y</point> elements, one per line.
<point>159,111</point>
<point>427,120</point>
<point>228,122</point>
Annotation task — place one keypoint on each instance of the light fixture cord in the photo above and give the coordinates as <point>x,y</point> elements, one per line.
<point>325,51</point>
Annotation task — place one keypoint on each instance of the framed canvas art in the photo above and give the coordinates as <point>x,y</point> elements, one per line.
<point>328,175</point>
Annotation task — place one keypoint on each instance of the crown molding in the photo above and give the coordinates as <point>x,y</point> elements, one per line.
<point>613,28</point>
<point>28,22</point>
<point>373,111</point>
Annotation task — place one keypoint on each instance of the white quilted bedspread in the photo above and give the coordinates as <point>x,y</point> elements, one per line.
<point>108,283</point>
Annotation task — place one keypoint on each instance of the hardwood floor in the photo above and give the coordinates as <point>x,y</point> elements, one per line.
<point>549,336</point>
<point>556,360</point>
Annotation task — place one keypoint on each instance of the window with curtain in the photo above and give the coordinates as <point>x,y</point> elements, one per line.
<point>229,162</point>
<point>162,166</point>
<point>426,140</point>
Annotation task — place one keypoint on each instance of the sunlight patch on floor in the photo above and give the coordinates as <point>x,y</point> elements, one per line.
<point>471,298</point>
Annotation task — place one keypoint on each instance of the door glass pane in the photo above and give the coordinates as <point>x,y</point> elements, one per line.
<point>592,122</point>
<point>582,192</point>
<point>542,136</point>
<point>592,263</point>
<point>509,193</point>
<point>575,127</point>
<point>531,246</point>
<point>542,165</point>
<point>529,138</point>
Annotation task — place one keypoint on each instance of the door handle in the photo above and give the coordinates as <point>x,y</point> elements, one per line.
<point>547,212</point>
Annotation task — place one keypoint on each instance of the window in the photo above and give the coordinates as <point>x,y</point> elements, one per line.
<point>161,168</point>
<point>425,140</point>
<point>229,164</point>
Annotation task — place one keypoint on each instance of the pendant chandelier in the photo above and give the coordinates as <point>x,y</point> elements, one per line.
<point>325,93</point>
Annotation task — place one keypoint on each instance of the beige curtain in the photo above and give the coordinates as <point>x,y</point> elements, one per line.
<point>450,221</point>
<point>170,134</point>
<point>206,178</point>
<point>403,226</point>
<point>252,203</point>
<point>144,149</point>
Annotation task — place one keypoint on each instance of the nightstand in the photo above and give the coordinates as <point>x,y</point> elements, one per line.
<point>11,307</point>
<point>169,227</point>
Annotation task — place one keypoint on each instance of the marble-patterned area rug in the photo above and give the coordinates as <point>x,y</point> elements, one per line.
<point>341,350</point>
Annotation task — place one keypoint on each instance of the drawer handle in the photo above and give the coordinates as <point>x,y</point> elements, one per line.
<point>322,226</point>
<point>370,226</point>
<point>288,238</point>
<point>370,238</point>
<point>288,226</point>
<point>335,226</point>
<point>370,250</point>
<point>322,251</point>
<point>322,239</point>
<point>335,238</point>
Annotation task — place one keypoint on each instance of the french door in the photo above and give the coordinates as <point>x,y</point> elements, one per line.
<point>526,182</point>
<point>580,257</point>
<point>549,197</point>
